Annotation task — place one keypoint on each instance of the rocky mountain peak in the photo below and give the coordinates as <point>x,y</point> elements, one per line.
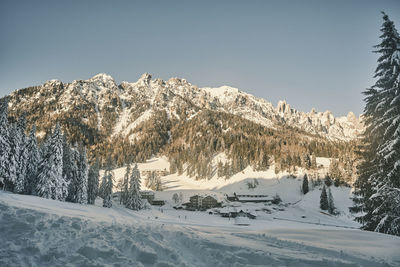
<point>103,79</point>
<point>284,107</point>
<point>145,79</point>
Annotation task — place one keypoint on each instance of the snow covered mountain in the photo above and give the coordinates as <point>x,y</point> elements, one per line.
<point>131,103</point>
<point>134,121</point>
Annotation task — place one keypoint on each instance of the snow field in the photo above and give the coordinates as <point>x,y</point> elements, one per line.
<point>42,232</point>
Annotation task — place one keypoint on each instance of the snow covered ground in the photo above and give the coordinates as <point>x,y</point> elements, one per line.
<point>41,232</point>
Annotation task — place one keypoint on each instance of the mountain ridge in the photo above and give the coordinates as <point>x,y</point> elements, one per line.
<point>133,121</point>
<point>224,98</point>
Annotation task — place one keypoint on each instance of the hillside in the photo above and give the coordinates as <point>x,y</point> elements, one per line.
<point>189,125</point>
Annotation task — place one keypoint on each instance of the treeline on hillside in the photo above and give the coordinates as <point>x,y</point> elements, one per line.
<point>54,169</point>
<point>190,144</point>
<point>195,143</point>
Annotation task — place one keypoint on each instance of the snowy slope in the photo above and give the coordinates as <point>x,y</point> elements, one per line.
<point>41,232</point>
<point>296,206</point>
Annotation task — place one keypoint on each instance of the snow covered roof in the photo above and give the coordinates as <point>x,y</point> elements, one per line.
<point>147,192</point>
<point>254,198</point>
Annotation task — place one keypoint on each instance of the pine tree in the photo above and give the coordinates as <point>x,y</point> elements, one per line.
<point>331,204</point>
<point>134,199</point>
<point>5,148</point>
<point>82,177</point>
<point>13,156</point>
<point>323,203</point>
<point>125,185</point>
<point>387,182</point>
<point>304,187</point>
<point>70,169</point>
<point>51,183</point>
<point>107,184</point>
<point>328,180</point>
<point>93,182</point>
<point>22,156</point>
<point>32,162</point>
<point>335,172</point>
<point>377,189</point>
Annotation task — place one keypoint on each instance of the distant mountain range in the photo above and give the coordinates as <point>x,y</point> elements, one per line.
<point>98,111</point>
<point>133,102</point>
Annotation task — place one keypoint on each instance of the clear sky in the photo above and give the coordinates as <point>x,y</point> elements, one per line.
<point>311,53</point>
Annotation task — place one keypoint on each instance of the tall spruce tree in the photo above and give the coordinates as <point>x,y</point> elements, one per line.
<point>22,157</point>
<point>32,162</point>
<point>125,185</point>
<point>107,184</point>
<point>134,199</point>
<point>13,156</point>
<point>331,204</point>
<point>70,169</point>
<point>323,202</point>
<point>82,177</point>
<point>93,182</point>
<point>5,148</point>
<point>51,183</point>
<point>304,186</point>
<point>377,193</point>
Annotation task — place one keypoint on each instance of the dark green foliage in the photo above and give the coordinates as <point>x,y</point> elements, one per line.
<point>328,180</point>
<point>93,182</point>
<point>324,203</point>
<point>331,208</point>
<point>304,187</point>
<point>107,185</point>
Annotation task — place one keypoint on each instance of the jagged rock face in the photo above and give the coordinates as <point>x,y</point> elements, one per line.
<point>110,110</point>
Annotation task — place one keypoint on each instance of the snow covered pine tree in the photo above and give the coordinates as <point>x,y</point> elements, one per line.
<point>134,199</point>
<point>107,185</point>
<point>32,162</point>
<point>93,182</point>
<point>378,185</point>
<point>82,177</point>
<point>20,140</point>
<point>4,146</point>
<point>51,183</point>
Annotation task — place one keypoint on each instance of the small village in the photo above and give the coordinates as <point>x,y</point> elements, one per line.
<point>231,206</point>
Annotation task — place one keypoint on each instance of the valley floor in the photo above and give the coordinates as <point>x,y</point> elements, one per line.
<point>41,232</point>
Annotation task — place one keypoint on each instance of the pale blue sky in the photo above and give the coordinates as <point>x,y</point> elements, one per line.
<point>311,53</point>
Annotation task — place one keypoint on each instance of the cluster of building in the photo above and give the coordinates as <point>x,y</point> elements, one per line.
<point>198,202</point>
<point>229,209</point>
<point>150,197</point>
<point>207,202</point>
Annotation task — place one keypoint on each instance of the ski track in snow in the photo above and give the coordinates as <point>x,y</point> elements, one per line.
<point>40,232</point>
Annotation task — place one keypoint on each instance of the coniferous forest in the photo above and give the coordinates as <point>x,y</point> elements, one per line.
<point>54,169</point>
